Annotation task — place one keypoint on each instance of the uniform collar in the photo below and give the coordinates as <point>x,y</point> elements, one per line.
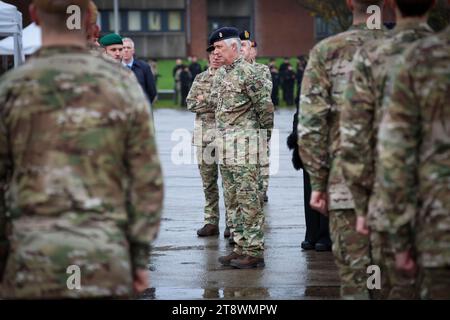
<point>411,25</point>
<point>53,50</point>
<point>233,64</point>
<point>360,26</point>
<point>211,71</point>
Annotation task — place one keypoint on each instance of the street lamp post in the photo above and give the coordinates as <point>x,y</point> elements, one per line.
<point>116,16</point>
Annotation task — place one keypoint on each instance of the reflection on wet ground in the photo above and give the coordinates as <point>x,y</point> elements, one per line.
<point>184,266</point>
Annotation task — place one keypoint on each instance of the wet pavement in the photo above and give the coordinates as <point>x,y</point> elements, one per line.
<point>184,266</point>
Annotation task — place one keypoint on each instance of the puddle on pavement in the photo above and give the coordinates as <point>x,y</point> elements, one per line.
<point>313,292</point>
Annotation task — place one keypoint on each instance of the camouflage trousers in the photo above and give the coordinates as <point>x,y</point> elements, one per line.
<point>394,284</point>
<point>351,254</point>
<point>434,283</point>
<point>246,216</point>
<point>264,174</point>
<point>47,253</point>
<point>209,173</point>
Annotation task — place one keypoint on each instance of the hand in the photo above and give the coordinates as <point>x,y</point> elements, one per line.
<point>319,202</point>
<point>405,263</point>
<point>200,98</point>
<point>141,280</point>
<point>361,226</point>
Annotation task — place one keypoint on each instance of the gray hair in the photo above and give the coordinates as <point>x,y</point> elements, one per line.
<point>129,40</point>
<point>237,41</point>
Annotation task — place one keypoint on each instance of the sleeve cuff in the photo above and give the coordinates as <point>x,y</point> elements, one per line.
<point>401,239</point>
<point>318,186</point>
<point>140,255</point>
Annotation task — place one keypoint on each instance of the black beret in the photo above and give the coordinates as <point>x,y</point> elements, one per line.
<point>244,35</point>
<point>210,48</point>
<point>254,44</point>
<point>222,34</point>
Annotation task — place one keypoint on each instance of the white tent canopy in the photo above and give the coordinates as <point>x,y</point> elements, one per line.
<point>11,25</point>
<point>31,41</point>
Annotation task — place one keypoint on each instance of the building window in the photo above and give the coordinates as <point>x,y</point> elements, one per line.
<point>99,20</point>
<point>322,28</point>
<point>111,21</point>
<point>242,23</point>
<point>154,21</point>
<point>174,21</point>
<point>134,21</point>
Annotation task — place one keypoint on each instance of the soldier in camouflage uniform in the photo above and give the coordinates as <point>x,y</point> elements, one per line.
<point>80,179</point>
<point>113,46</point>
<point>203,139</point>
<point>319,146</point>
<point>414,164</point>
<point>242,108</point>
<point>360,117</point>
<point>249,54</point>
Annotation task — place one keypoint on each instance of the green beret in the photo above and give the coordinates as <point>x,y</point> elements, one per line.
<point>110,39</point>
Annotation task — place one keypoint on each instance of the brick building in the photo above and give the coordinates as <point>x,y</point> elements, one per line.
<point>179,28</point>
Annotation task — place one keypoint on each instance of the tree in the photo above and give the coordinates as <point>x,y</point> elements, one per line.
<point>335,12</point>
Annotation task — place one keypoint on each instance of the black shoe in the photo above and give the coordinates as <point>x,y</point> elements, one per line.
<point>226,233</point>
<point>321,247</point>
<point>231,239</point>
<point>306,245</point>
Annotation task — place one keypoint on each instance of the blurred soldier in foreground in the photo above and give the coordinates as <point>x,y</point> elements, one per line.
<point>414,164</point>
<point>243,107</point>
<point>93,31</point>
<point>113,45</point>
<point>360,118</point>
<point>249,52</point>
<point>204,132</point>
<point>319,145</point>
<point>80,179</point>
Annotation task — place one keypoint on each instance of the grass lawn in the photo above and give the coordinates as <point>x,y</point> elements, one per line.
<point>166,81</point>
<point>165,67</point>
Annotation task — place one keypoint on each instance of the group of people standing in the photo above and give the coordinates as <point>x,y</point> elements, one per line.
<point>81,183</point>
<point>286,78</point>
<point>373,135</point>
<point>232,102</point>
<point>183,76</point>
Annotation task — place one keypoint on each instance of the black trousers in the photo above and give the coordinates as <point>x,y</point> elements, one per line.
<point>317,229</point>
<point>184,94</point>
<point>274,95</point>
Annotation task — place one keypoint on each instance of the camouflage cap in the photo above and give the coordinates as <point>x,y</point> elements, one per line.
<point>59,6</point>
<point>110,39</point>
